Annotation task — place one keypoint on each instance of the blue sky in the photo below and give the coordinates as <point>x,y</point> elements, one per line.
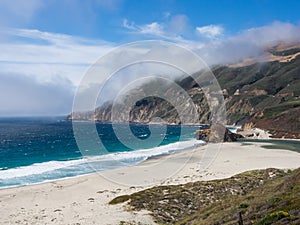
<point>104,19</point>
<point>47,46</point>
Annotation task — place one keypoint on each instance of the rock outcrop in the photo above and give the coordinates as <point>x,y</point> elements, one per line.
<point>216,133</point>
<point>283,125</point>
<point>255,133</point>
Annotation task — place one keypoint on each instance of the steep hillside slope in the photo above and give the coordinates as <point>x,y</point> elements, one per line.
<point>262,90</point>
<point>260,93</point>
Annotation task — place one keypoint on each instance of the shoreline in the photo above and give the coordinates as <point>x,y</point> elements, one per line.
<point>250,140</point>
<point>118,159</point>
<point>135,157</point>
<point>84,199</point>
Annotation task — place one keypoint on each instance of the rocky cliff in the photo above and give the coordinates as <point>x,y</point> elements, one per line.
<point>263,93</point>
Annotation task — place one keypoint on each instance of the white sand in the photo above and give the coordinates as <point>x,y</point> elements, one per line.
<point>83,200</point>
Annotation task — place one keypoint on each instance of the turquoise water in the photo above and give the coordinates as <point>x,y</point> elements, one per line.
<point>34,150</point>
<point>277,144</point>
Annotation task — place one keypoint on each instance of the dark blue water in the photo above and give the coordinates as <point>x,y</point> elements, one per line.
<point>38,149</point>
<point>27,141</point>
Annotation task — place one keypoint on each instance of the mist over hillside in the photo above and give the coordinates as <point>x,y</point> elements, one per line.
<point>256,92</point>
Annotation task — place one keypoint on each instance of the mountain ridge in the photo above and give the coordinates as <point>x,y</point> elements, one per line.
<point>255,94</point>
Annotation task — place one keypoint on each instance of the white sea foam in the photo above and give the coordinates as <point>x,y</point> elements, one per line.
<point>37,168</point>
<point>52,170</point>
<point>144,154</point>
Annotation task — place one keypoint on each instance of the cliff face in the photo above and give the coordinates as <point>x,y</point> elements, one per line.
<point>261,93</point>
<point>285,124</point>
<point>151,107</point>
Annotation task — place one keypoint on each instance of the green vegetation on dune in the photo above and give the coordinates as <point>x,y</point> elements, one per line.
<point>277,201</point>
<point>269,196</point>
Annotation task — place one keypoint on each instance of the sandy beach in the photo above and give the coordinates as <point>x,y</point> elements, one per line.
<point>84,199</point>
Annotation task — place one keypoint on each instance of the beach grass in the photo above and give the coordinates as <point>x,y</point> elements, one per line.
<point>275,202</point>
<point>262,196</point>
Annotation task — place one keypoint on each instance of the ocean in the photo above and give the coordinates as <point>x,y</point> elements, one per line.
<point>36,150</point>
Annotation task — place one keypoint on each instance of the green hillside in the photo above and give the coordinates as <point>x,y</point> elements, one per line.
<point>259,93</point>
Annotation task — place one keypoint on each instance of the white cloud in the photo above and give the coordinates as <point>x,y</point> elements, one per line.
<point>248,43</point>
<point>44,55</point>
<point>154,28</point>
<point>269,34</point>
<point>129,65</point>
<point>172,29</point>
<point>23,95</point>
<point>215,48</point>
<point>129,25</point>
<point>43,62</point>
<point>39,70</point>
<point>210,31</point>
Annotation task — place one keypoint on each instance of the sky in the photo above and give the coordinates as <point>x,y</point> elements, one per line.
<point>47,46</point>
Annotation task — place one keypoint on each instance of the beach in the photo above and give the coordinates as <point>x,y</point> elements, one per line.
<point>84,199</point>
